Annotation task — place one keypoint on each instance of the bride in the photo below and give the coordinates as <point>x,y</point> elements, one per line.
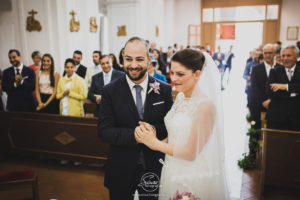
<point>194,148</point>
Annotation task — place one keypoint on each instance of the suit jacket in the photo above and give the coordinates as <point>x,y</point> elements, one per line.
<point>81,71</point>
<point>19,98</point>
<point>98,83</point>
<point>219,59</point>
<point>283,106</point>
<point>117,122</point>
<point>76,96</point>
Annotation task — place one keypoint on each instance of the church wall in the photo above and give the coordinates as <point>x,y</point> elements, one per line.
<point>290,16</point>
<point>55,37</point>
<point>186,12</point>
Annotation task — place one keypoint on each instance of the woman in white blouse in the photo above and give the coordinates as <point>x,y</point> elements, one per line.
<point>46,84</point>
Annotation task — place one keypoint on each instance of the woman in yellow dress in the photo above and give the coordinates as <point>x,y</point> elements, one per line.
<point>71,91</point>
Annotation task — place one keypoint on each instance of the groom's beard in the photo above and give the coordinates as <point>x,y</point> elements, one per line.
<point>135,77</point>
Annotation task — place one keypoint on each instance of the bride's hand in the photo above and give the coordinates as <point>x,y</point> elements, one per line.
<point>147,136</point>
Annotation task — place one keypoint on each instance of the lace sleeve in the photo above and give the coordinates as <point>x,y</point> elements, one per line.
<point>200,132</point>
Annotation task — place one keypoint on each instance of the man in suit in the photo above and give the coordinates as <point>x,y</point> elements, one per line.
<point>19,83</point>
<point>79,68</point>
<point>219,58</point>
<point>284,89</point>
<point>101,79</point>
<point>247,74</point>
<point>124,103</point>
<point>259,100</point>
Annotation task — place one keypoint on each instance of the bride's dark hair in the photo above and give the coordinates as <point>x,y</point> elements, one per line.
<point>190,58</point>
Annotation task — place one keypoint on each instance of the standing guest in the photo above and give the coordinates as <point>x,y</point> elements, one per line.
<point>79,68</point>
<point>278,45</point>
<point>259,99</point>
<point>278,57</point>
<point>101,79</point>
<point>115,64</point>
<point>46,85</point>
<point>284,90</point>
<point>71,91</point>
<point>247,74</point>
<point>161,64</point>
<point>18,82</point>
<point>91,71</point>
<point>36,57</point>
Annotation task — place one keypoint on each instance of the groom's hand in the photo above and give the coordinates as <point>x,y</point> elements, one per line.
<point>136,136</point>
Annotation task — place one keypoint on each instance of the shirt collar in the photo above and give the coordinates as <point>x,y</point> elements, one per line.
<point>293,68</point>
<point>269,66</point>
<point>20,68</point>
<point>142,84</point>
<point>109,73</point>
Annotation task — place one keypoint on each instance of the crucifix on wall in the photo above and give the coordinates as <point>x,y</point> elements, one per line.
<point>32,24</point>
<point>74,25</point>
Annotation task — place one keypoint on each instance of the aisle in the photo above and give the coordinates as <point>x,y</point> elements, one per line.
<point>235,125</point>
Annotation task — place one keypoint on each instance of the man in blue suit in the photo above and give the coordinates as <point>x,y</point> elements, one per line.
<point>18,82</point>
<point>130,99</point>
<point>101,79</point>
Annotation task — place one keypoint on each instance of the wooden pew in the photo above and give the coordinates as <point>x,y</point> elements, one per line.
<point>280,159</point>
<point>53,136</point>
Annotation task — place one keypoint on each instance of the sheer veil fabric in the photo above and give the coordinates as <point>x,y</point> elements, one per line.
<point>195,128</point>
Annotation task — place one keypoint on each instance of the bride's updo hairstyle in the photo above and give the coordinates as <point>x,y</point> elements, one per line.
<point>190,58</point>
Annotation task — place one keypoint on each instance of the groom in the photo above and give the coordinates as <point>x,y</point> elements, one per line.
<point>133,98</point>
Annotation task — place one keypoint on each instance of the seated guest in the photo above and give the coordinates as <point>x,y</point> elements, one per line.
<point>36,57</point>
<point>284,89</point>
<point>46,85</point>
<point>71,91</point>
<point>18,82</point>
<point>152,70</point>
<point>103,78</point>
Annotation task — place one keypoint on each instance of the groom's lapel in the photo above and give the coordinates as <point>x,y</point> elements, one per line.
<point>150,98</point>
<point>128,98</point>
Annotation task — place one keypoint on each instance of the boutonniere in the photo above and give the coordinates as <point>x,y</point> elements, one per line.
<point>155,87</point>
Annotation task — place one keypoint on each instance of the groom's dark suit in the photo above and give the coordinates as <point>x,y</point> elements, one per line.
<point>117,122</point>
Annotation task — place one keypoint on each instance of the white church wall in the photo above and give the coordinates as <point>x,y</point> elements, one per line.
<point>289,17</point>
<point>55,37</point>
<point>186,12</point>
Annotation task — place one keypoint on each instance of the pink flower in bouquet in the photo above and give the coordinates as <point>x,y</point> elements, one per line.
<point>184,196</point>
<point>155,87</point>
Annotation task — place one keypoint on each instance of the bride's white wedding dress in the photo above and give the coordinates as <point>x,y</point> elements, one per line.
<point>194,128</point>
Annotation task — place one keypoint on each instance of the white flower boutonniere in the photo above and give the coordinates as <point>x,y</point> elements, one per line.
<point>155,87</point>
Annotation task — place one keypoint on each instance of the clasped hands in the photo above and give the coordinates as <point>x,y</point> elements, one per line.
<point>18,79</point>
<point>146,134</point>
<point>278,86</point>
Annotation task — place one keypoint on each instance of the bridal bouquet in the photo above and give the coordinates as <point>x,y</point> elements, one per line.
<point>184,196</point>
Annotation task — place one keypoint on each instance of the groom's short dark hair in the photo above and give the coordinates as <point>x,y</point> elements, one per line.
<point>138,39</point>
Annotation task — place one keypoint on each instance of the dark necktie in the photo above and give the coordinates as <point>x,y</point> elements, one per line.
<point>18,71</point>
<point>139,102</point>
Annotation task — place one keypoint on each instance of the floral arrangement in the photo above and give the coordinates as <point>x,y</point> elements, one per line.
<point>249,160</point>
<point>184,196</point>
<point>155,87</point>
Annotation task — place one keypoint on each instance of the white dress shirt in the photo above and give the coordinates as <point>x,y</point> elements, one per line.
<point>20,71</point>
<point>288,74</point>
<point>144,86</point>
<point>268,67</point>
<point>65,100</point>
<point>91,71</point>
<point>107,76</point>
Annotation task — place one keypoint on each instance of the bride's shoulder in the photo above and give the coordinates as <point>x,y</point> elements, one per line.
<point>206,106</point>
